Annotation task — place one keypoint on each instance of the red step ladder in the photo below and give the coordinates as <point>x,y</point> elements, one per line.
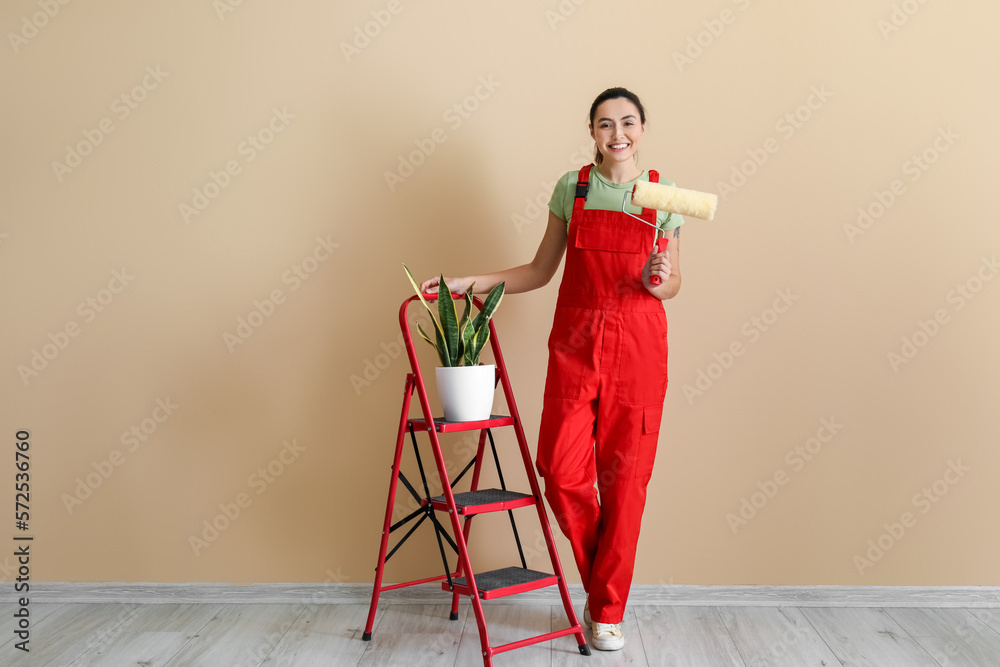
<point>464,580</point>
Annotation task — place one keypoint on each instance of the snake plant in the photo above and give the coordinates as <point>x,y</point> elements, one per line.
<point>458,341</point>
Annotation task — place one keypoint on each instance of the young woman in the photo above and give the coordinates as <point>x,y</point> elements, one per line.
<point>607,368</point>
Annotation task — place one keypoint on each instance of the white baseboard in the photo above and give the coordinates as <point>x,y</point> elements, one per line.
<point>678,595</point>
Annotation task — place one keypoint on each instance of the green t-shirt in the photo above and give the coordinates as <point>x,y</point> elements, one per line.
<point>604,195</point>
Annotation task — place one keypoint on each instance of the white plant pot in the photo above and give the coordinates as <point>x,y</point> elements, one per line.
<point>466,392</point>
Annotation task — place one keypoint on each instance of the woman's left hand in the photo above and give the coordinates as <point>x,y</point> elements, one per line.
<point>657,264</point>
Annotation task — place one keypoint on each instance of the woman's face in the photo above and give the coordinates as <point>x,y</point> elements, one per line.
<point>617,129</point>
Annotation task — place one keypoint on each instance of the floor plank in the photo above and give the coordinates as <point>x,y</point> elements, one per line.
<point>867,637</point>
<point>507,623</point>
<point>975,651</point>
<point>70,630</point>
<point>416,635</point>
<point>325,634</point>
<point>686,636</point>
<point>149,637</point>
<point>939,622</point>
<point>411,635</point>
<point>238,634</point>
<point>990,617</point>
<point>776,637</point>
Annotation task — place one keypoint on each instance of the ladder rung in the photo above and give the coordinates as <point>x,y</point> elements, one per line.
<point>506,581</point>
<point>441,425</point>
<point>485,500</point>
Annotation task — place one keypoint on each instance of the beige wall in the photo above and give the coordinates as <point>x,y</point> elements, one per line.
<point>202,80</point>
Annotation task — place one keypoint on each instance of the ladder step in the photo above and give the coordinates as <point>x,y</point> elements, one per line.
<point>485,500</point>
<point>441,425</point>
<point>506,581</point>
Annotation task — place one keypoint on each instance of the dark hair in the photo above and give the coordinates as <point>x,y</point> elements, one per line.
<point>611,94</point>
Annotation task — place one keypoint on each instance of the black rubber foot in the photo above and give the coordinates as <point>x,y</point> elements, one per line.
<point>367,637</point>
<point>453,616</point>
<point>584,649</point>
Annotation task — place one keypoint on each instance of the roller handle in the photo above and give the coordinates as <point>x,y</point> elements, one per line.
<point>661,246</point>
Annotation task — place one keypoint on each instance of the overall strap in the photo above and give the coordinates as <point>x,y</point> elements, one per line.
<point>582,186</point>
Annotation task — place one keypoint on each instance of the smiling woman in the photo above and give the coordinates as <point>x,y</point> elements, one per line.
<point>620,125</point>
<point>607,368</point>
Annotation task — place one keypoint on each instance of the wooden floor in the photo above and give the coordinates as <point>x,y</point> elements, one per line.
<point>231,635</point>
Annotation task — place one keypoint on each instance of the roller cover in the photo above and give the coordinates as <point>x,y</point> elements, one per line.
<point>675,200</point>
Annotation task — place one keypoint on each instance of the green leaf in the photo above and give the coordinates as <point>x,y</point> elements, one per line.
<point>463,323</point>
<point>449,321</point>
<point>468,330</point>
<point>471,359</point>
<point>482,337</point>
<point>445,358</point>
<point>423,335</point>
<point>442,349</point>
<point>490,305</point>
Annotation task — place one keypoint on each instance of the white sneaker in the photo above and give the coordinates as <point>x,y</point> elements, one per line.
<point>587,620</point>
<point>607,637</point>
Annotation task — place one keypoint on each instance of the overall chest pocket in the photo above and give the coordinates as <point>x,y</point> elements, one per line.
<point>614,238</point>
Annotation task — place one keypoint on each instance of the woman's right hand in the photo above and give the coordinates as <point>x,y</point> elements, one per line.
<point>456,285</point>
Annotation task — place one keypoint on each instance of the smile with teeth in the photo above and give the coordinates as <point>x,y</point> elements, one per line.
<point>618,147</point>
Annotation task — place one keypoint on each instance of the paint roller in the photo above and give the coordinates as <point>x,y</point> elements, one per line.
<point>672,200</point>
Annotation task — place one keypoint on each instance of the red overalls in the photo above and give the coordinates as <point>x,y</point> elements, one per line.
<point>604,391</point>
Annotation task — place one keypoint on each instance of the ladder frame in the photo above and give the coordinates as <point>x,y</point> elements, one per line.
<point>460,531</point>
